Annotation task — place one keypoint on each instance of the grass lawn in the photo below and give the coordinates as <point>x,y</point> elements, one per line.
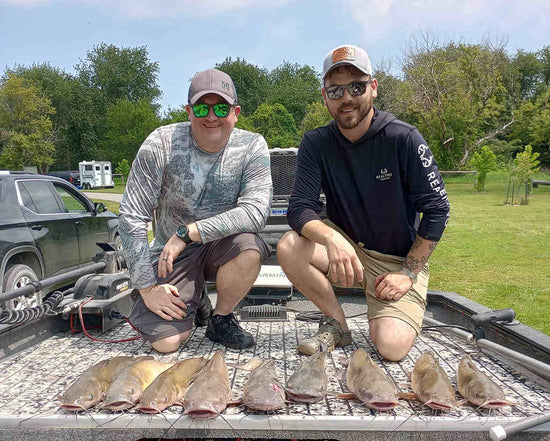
<point>497,255</point>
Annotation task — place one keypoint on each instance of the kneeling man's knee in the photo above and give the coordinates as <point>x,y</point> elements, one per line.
<point>285,245</point>
<point>392,337</point>
<point>392,350</point>
<point>172,343</point>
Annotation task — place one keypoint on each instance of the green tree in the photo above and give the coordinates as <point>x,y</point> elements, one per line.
<point>456,96</point>
<point>532,125</point>
<point>391,93</point>
<point>123,168</point>
<point>316,116</point>
<point>276,124</point>
<point>120,73</point>
<point>128,124</point>
<point>484,162</point>
<point>527,69</point>
<point>175,115</point>
<point>295,87</point>
<point>252,83</point>
<point>25,126</point>
<point>525,164</point>
<point>77,117</point>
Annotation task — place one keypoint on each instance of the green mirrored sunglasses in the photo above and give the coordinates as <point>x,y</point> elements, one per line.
<point>221,110</point>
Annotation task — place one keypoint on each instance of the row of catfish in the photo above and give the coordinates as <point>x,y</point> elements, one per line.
<point>202,385</point>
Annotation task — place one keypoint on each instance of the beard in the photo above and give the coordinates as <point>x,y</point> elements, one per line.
<point>351,121</point>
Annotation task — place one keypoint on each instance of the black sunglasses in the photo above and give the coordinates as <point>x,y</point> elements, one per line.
<point>357,88</point>
<point>221,110</point>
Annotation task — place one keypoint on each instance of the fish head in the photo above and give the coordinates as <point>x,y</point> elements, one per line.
<point>204,408</point>
<point>153,406</point>
<point>381,397</point>
<point>485,393</point>
<point>81,396</point>
<point>270,396</point>
<point>438,401</point>
<point>435,394</point>
<point>157,398</point>
<point>123,395</point>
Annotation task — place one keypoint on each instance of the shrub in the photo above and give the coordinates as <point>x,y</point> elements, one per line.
<point>483,162</point>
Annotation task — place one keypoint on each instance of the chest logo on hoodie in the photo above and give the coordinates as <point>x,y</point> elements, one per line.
<point>425,155</point>
<point>384,175</point>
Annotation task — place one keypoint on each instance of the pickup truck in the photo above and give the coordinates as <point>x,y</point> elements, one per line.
<point>41,358</point>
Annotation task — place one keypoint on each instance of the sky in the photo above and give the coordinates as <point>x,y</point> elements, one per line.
<point>186,36</point>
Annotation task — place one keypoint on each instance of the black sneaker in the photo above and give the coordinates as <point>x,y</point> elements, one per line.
<point>203,311</point>
<point>225,329</point>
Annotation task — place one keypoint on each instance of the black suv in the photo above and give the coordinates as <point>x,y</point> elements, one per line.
<point>47,227</point>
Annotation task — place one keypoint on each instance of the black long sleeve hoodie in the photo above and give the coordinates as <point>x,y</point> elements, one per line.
<point>375,188</point>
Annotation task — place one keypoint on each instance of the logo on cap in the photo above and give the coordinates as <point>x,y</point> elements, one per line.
<point>343,53</point>
<point>226,86</point>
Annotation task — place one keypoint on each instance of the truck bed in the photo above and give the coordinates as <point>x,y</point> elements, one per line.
<point>30,381</point>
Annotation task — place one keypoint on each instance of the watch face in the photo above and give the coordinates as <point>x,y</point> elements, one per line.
<point>182,230</point>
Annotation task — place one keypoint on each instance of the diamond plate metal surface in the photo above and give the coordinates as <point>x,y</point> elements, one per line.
<point>31,380</point>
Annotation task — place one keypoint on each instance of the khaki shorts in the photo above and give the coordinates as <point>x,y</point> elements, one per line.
<point>409,308</point>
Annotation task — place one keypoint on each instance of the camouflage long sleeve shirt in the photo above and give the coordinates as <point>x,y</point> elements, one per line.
<point>225,193</point>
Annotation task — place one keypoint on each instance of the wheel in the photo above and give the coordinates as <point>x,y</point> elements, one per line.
<point>17,276</point>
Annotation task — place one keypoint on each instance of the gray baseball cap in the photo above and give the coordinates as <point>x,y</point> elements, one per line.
<point>347,54</point>
<point>212,81</point>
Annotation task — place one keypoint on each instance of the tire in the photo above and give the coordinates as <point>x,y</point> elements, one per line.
<point>17,276</point>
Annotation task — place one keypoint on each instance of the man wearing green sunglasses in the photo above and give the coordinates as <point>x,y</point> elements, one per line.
<point>377,174</point>
<point>209,186</point>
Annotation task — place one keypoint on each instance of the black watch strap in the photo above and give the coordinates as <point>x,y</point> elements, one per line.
<point>183,233</point>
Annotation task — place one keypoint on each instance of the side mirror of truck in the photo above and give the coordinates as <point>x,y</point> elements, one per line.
<point>100,207</point>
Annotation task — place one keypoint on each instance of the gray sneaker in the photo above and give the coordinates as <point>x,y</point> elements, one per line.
<point>328,336</point>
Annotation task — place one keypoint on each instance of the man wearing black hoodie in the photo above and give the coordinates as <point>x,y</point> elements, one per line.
<point>378,175</point>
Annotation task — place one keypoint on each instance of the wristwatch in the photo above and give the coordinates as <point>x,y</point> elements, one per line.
<point>409,273</point>
<point>183,233</point>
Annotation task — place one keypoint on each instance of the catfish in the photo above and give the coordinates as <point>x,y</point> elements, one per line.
<point>210,393</point>
<point>309,383</point>
<point>127,388</point>
<point>477,388</point>
<point>170,386</point>
<point>90,388</point>
<point>369,383</point>
<point>431,384</point>
<point>263,390</point>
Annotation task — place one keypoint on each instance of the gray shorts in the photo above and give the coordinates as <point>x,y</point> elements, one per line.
<point>197,264</point>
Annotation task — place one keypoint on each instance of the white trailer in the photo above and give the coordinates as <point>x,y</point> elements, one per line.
<point>95,174</point>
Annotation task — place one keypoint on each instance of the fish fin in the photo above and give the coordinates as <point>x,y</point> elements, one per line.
<point>178,403</point>
<point>348,396</point>
<point>407,396</point>
<point>461,403</point>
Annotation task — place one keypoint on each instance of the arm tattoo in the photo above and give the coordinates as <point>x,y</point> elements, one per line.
<point>411,263</point>
<point>416,243</point>
<point>418,256</point>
